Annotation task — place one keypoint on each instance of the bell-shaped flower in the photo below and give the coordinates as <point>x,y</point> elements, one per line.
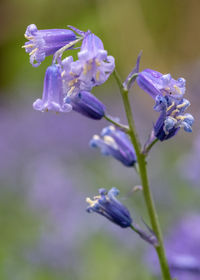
<point>172,117</point>
<point>107,205</point>
<point>96,64</point>
<point>45,42</point>
<point>155,83</point>
<point>52,99</point>
<point>87,104</point>
<point>116,143</point>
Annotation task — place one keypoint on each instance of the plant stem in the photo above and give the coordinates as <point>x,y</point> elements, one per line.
<point>121,126</point>
<point>147,149</point>
<point>141,159</point>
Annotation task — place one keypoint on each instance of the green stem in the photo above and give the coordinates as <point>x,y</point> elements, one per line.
<point>147,149</point>
<point>141,159</point>
<point>123,127</point>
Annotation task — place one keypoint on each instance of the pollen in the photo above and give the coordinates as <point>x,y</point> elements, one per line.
<point>91,202</point>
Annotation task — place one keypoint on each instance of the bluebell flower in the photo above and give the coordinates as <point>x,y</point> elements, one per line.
<point>97,65</point>
<point>52,99</point>
<point>86,104</point>
<point>155,83</point>
<point>45,42</point>
<point>172,117</point>
<point>107,205</point>
<point>92,68</point>
<point>115,143</point>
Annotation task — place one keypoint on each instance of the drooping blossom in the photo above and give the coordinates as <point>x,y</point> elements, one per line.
<point>155,83</point>
<point>107,205</point>
<point>52,99</point>
<point>115,143</point>
<point>45,42</point>
<point>172,117</point>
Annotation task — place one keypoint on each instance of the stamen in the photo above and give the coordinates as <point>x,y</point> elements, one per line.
<point>169,108</point>
<point>28,46</point>
<point>70,91</point>
<point>28,37</point>
<point>181,105</point>
<point>97,62</point>
<point>33,51</point>
<point>110,141</point>
<point>182,118</point>
<point>89,65</point>
<point>97,75</point>
<point>85,69</point>
<point>177,89</point>
<point>174,112</point>
<point>91,202</point>
<point>72,82</point>
<point>63,73</point>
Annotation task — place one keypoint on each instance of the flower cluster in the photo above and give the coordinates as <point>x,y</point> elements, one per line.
<point>68,84</point>
<point>168,95</point>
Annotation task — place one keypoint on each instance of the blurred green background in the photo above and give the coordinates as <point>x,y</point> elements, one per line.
<point>46,166</point>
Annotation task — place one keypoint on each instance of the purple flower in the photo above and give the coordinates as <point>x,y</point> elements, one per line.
<point>52,99</point>
<point>182,249</point>
<point>155,83</point>
<point>108,206</point>
<point>115,143</point>
<point>92,68</point>
<point>45,42</point>
<point>86,104</point>
<point>172,117</point>
<point>97,65</point>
